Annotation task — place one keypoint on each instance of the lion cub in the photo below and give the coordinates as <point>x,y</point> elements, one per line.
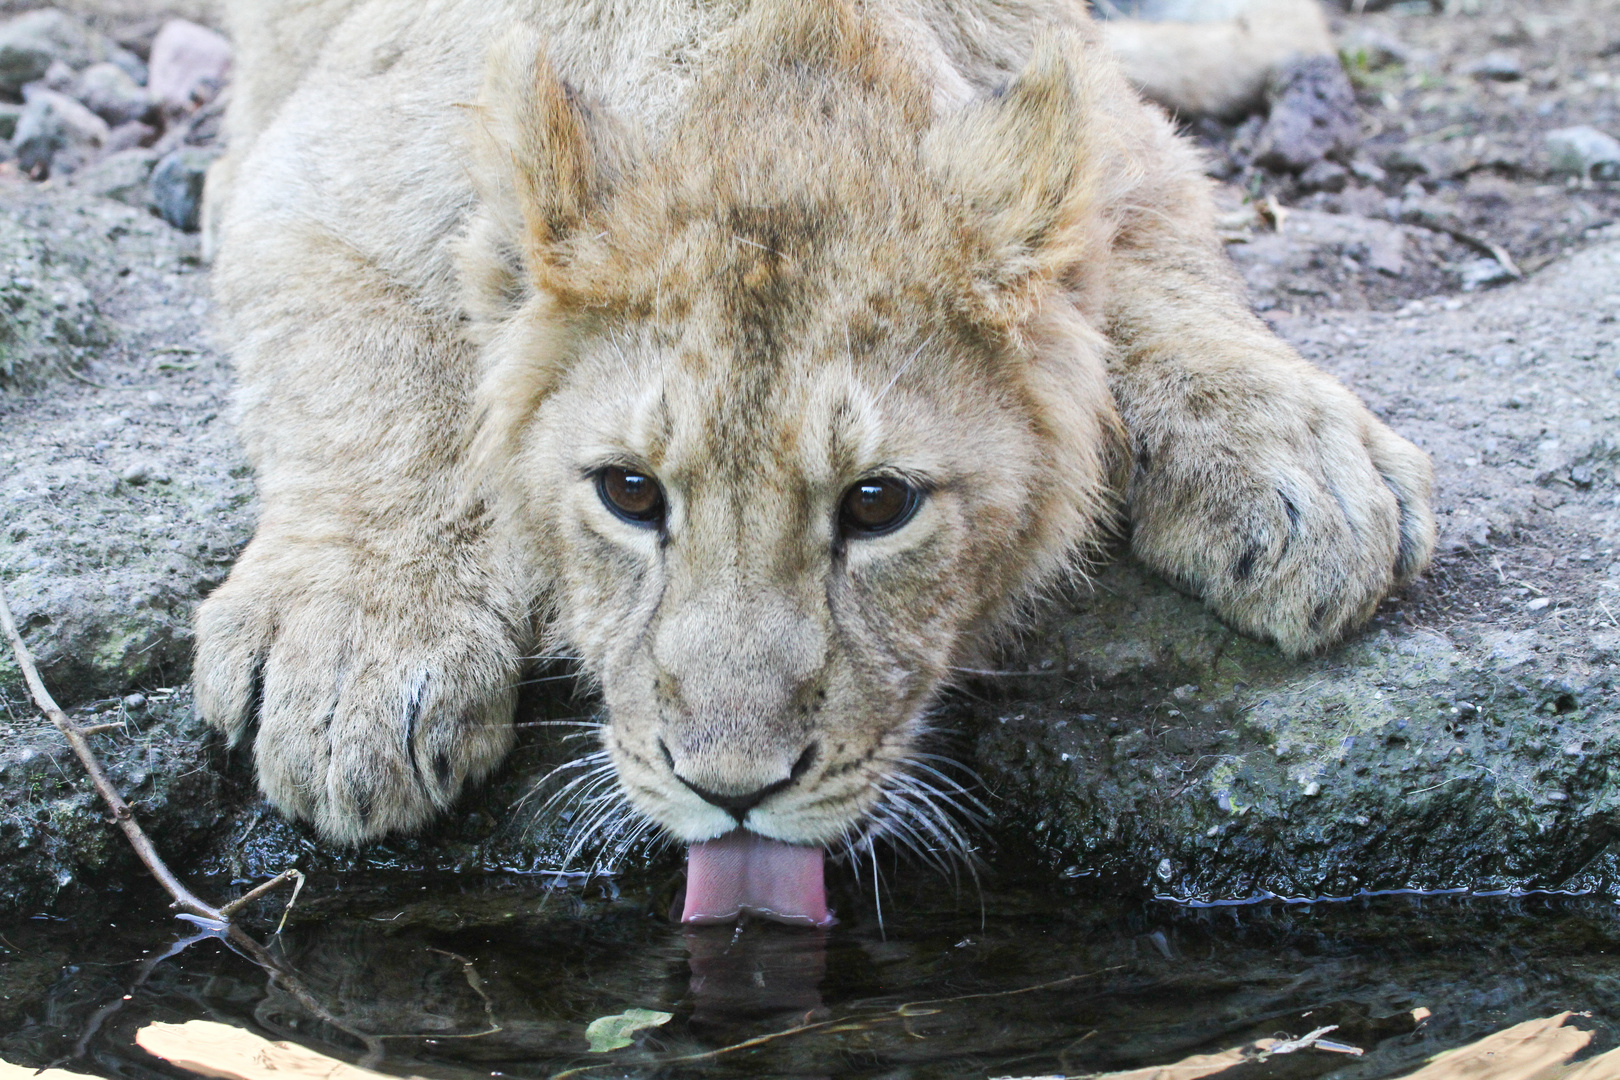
<point>764,356</point>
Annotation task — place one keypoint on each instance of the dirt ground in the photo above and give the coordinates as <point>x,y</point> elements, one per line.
<point>1471,735</point>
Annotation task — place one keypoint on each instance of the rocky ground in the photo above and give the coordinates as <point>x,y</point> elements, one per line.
<point>1469,738</point>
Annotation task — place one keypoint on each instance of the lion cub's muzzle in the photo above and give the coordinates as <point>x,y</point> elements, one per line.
<point>739,803</point>
<point>742,871</point>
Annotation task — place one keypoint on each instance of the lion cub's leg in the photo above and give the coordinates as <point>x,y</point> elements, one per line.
<point>1260,483</point>
<point>367,639</point>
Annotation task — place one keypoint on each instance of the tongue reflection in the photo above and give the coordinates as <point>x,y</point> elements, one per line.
<point>743,872</point>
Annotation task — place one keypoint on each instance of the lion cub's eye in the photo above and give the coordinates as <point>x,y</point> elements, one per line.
<point>877,506</point>
<point>634,497</point>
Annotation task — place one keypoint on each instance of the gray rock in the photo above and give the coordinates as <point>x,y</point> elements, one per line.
<point>1313,116</point>
<point>1325,176</point>
<point>1270,261</point>
<point>56,135</point>
<point>1501,65</point>
<point>188,66</point>
<point>107,90</point>
<point>48,319</point>
<point>175,192</point>
<point>124,176</point>
<point>130,136</point>
<point>59,77</point>
<point>1480,273</point>
<point>1585,152</point>
<point>129,63</point>
<point>30,43</point>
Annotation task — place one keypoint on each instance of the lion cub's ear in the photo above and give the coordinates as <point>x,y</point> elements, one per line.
<point>1027,162</point>
<point>543,158</point>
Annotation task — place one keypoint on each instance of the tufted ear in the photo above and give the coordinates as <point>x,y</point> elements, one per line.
<point>544,158</point>
<point>1026,163</point>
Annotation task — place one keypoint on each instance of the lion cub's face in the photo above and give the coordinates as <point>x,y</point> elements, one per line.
<point>770,561</point>
<point>789,417</point>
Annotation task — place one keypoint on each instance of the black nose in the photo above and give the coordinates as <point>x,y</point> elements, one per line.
<point>739,805</point>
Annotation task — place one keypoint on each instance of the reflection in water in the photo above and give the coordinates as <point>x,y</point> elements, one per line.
<point>756,973</point>
<point>468,977</point>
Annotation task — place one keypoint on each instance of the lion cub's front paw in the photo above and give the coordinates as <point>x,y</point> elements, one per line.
<point>376,692</point>
<point>1292,519</point>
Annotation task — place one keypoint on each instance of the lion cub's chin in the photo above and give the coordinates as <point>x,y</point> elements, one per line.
<point>743,873</point>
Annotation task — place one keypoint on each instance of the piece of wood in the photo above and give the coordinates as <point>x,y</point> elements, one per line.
<point>1533,1050</point>
<point>229,1053</point>
<point>8,1071</point>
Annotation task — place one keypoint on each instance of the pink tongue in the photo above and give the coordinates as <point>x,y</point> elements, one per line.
<point>742,871</point>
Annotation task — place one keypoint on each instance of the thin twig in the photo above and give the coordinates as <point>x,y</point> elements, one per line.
<point>183,897</point>
<point>1427,219</point>
<point>257,891</point>
<point>906,1011</point>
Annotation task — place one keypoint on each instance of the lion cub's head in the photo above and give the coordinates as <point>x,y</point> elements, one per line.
<point>789,407</point>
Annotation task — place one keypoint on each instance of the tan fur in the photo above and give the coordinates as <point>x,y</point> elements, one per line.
<point>760,252</point>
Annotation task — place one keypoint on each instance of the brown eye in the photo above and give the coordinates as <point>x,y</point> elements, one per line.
<point>634,497</point>
<point>877,506</point>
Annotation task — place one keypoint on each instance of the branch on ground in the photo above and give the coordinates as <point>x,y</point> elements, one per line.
<point>184,898</point>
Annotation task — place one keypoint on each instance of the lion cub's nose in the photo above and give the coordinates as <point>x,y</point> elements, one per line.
<point>738,804</point>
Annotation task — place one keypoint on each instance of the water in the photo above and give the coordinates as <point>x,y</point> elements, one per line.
<point>498,976</point>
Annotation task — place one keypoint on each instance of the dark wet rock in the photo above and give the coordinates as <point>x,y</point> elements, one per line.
<point>9,114</point>
<point>1313,116</point>
<point>1584,151</point>
<point>108,91</point>
<point>56,135</point>
<point>187,66</point>
<point>30,43</point>
<point>175,191</point>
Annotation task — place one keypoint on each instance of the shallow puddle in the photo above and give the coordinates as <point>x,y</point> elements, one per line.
<point>500,976</point>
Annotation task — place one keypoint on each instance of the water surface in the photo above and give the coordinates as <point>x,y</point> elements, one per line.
<point>489,976</point>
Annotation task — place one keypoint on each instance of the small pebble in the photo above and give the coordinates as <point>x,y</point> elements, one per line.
<point>1503,65</point>
<point>136,474</point>
<point>1538,603</point>
<point>135,701</point>
<point>1313,789</point>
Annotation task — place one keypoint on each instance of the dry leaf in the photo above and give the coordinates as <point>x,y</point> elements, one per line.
<point>615,1032</point>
